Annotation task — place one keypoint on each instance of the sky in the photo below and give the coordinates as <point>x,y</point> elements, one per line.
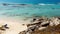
<point>31,1</point>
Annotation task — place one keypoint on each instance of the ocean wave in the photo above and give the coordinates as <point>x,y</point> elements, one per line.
<point>45,4</point>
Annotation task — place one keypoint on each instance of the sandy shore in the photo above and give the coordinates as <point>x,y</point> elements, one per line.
<point>15,25</point>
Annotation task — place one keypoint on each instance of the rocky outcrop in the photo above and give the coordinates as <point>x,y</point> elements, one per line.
<point>3,28</point>
<point>42,25</point>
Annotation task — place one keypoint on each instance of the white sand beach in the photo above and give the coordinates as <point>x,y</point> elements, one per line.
<point>15,25</point>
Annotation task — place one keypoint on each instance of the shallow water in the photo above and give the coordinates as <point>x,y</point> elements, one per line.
<point>30,10</point>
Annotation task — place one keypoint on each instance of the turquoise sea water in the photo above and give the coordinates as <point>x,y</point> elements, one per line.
<point>30,10</point>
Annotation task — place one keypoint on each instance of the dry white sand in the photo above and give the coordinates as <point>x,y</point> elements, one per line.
<point>15,25</point>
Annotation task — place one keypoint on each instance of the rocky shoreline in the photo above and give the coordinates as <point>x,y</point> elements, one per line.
<point>43,25</point>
